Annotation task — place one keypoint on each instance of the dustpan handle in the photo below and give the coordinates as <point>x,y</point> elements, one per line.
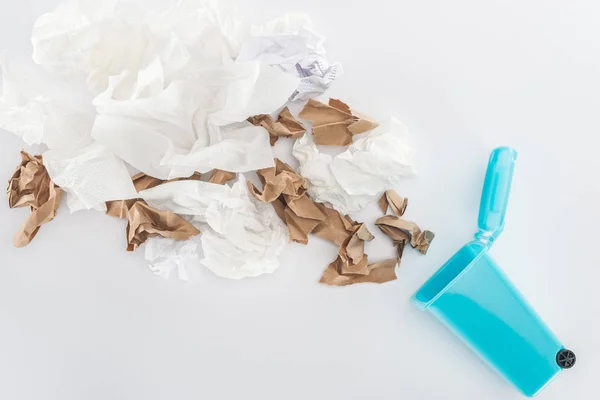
<point>495,194</point>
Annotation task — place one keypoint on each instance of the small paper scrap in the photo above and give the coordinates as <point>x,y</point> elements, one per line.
<point>352,265</point>
<point>221,177</point>
<point>391,199</point>
<point>286,125</point>
<point>401,232</point>
<point>283,184</point>
<point>31,186</point>
<point>291,44</point>
<point>336,227</point>
<point>146,222</point>
<point>335,124</point>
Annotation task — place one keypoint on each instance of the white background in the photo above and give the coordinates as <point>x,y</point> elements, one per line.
<point>80,318</point>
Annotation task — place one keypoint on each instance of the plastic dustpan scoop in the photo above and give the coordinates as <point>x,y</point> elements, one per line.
<point>473,297</point>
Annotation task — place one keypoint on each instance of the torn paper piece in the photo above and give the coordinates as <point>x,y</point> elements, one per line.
<point>221,177</point>
<point>401,231</point>
<point>352,264</point>
<point>146,222</point>
<point>356,177</point>
<point>286,125</point>
<point>303,220</point>
<point>355,249</point>
<point>302,216</point>
<point>379,272</point>
<point>281,179</point>
<point>317,74</point>
<point>30,186</point>
<point>300,213</point>
<point>335,228</point>
<point>334,124</point>
<point>290,43</point>
<point>194,125</point>
<point>392,199</point>
<point>166,255</point>
<point>34,112</point>
<point>91,174</point>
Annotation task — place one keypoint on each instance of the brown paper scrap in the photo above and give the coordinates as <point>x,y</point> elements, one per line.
<point>392,199</point>
<point>221,177</point>
<point>379,272</point>
<point>285,126</point>
<point>30,185</point>
<point>146,222</point>
<point>335,124</point>
<point>286,190</point>
<point>355,249</point>
<point>335,228</point>
<point>278,180</point>
<point>402,231</point>
<point>352,264</point>
<point>302,216</point>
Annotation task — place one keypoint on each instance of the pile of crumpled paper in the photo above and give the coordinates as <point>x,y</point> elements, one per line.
<point>154,117</point>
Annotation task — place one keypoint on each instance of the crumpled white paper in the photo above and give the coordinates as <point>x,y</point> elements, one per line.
<point>90,174</point>
<point>354,178</point>
<point>290,43</point>
<point>100,39</point>
<point>240,237</point>
<point>191,125</point>
<point>166,255</point>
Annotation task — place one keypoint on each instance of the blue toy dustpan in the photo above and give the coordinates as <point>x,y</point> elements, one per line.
<point>473,297</point>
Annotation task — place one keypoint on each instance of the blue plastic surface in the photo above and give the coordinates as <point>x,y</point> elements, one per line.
<point>471,295</point>
<point>495,193</point>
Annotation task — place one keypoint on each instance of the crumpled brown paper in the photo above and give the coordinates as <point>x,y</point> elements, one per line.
<point>302,216</point>
<point>145,222</point>
<point>392,199</point>
<point>336,227</point>
<point>286,190</point>
<point>335,124</point>
<point>221,177</point>
<point>403,232</point>
<point>285,126</point>
<point>352,264</point>
<point>31,186</point>
<point>278,180</point>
